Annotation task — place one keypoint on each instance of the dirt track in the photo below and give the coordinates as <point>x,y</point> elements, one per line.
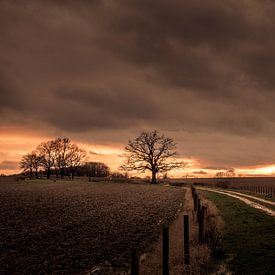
<point>252,197</point>
<point>245,198</point>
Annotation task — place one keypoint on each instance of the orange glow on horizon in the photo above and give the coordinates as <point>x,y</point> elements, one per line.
<point>14,146</point>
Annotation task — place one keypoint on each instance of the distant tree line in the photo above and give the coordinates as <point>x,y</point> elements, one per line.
<point>150,151</point>
<point>229,173</point>
<point>61,157</point>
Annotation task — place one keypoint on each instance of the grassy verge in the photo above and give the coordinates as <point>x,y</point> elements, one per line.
<point>249,236</point>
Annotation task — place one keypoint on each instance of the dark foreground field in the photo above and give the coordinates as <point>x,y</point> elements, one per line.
<point>48,227</point>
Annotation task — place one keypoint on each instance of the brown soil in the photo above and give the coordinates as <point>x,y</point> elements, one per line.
<point>79,227</point>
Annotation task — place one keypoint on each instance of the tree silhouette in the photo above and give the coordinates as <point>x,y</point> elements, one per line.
<point>62,152</point>
<point>76,156</point>
<point>153,152</point>
<point>46,151</point>
<point>30,163</point>
<point>96,169</point>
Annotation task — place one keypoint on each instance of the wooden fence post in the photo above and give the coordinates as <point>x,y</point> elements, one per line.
<point>201,224</point>
<point>195,202</point>
<point>186,240</point>
<point>198,208</point>
<point>134,263</point>
<point>165,251</point>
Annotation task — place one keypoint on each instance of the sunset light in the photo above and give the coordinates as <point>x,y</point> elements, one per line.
<point>137,137</point>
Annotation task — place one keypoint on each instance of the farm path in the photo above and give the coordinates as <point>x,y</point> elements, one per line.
<point>251,197</point>
<point>244,198</point>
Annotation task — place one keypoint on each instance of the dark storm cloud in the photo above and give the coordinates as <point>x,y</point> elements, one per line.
<point>8,165</point>
<point>117,67</point>
<point>116,101</point>
<point>82,108</point>
<point>193,44</point>
<point>9,94</point>
<point>185,42</point>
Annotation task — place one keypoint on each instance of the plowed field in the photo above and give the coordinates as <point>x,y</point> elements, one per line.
<point>67,227</point>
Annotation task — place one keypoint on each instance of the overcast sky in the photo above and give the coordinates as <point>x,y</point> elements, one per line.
<point>100,72</point>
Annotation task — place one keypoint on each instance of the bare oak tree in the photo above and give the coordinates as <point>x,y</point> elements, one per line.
<point>30,163</point>
<point>96,169</point>
<point>62,152</point>
<point>153,152</point>
<point>75,158</point>
<point>46,152</point>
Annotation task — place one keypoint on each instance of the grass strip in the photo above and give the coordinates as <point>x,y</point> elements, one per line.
<point>249,236</point>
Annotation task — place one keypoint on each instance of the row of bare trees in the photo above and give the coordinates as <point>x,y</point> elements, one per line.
<point>150,151</point>
<point>60,155</point>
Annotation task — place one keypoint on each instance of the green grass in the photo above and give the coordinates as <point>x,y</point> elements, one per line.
<point>249,236</point>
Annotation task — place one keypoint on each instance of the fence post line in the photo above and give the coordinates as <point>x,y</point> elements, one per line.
<point>134,263</point>
<point>195,202</point>
<point>198,209</point>
<point>186,240</point>
<point>165,251</point>
<point>201,225</point>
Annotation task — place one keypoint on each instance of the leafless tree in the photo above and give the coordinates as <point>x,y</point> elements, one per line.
<point>75,157</point>
<point>96,169</point>
<point>36,162</point>
<point>26,164</point>
<point>60,154</point>
<point>30,163</point>
<point>153,152</point>
<point>220,174</point>
<point>46,152</point>
<point>62,151</point>
<point>229,173</point>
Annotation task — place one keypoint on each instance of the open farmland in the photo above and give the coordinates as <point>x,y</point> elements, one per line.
<point>72,227</point>
<point>236,182</point>
<point>259,186</point>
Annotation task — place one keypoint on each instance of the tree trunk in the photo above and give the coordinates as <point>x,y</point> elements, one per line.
<point>62,173</point>
<point>154,177</point>
<point>48,173</point>
<point>56,173</point>
<point>36,173</point>
<point>31,173</point>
